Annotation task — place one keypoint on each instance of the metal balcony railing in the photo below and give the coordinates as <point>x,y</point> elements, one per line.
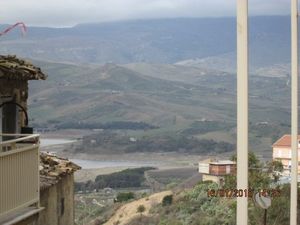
<point>19,172</point>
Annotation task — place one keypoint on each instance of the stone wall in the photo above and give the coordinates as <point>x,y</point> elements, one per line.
<point>58,201</point>
<point>17,91</point>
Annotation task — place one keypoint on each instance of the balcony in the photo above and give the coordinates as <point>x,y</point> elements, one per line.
<point>19,177</point>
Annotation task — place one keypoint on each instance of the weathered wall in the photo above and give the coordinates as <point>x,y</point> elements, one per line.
<point>67,193</point>
<point>13,87</point>
<point>58,201</point>
<point>16,90</point>
<point>51,200</point>
<point>221,169</point>
<point>207,177</point>
<point>48,200</point>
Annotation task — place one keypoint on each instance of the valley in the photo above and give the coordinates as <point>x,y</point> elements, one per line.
<point>137,119</point>
<point>128,107</point>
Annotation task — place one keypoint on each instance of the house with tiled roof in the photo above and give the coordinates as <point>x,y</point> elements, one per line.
<point>36,188</point>
<point>216,170</point>
<point>56,190</point>
<point>283,153</point>
<point>14,76</point>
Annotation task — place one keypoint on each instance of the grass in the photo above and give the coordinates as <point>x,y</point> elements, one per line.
<point>219,136</point>
<point>93,205</point>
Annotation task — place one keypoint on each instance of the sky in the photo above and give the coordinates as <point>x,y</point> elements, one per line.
<point>62,13</point>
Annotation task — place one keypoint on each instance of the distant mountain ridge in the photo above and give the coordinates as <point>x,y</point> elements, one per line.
<point>155,41</point>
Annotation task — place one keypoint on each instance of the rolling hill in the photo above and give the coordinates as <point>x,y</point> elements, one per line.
<point>179,100</point>
<point>210,42</point>
<point>150,93</point>
<point>113,92</point>
<point>174,74</point>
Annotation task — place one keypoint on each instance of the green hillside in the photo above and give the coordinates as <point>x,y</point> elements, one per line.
<point>176,100</point>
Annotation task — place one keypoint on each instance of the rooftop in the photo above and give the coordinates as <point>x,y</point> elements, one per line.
<point>53,168</point>
<point>217,162</point>
<point>14,68</point>
<point>284,141</point>
<point>223,162</point>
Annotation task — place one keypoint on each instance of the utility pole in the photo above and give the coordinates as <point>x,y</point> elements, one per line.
<point>294,110</point>
<point>242,110</point>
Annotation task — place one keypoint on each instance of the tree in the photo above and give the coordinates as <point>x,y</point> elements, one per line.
<point>124,196</point>
<point>253,161</point>
<point>141,209</point>
<point>275,168</point>
<point>167,200</point>
<point>258,176</point>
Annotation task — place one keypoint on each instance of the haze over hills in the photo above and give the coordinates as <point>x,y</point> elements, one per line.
<point>164,73</point>
<point>209,42</point>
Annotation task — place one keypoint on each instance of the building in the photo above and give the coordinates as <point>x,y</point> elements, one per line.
<point>14,76</point>
<point>35,188</point>
<point>56,190</point>
<point>283,153</point>
<point>217,170</point>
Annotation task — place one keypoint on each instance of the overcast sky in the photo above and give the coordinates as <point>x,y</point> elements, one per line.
<point>60,13</point>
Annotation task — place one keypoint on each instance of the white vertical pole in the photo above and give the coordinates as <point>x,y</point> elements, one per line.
<point>294,122</point>
<point>242,109</point>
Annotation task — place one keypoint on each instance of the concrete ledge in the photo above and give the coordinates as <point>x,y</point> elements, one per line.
<point>20,215</point>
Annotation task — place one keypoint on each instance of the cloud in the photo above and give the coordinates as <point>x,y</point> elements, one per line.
<point>70,12</point>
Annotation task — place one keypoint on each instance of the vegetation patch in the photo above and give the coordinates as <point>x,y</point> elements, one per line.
<point>195,207</point>
<point>114,125</point>
<point>179,143</point>
<point>124,196</point>
<point>202,127</point>
<point>129,178</point>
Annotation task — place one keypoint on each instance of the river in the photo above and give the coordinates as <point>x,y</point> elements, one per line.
<point>96,164</point>
<point>46,142</point>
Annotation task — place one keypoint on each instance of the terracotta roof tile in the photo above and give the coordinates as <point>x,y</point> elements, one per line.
<point>53,168</point>
<point>284,141</point>
<point>14,68</point>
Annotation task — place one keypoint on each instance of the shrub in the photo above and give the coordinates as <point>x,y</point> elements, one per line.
<point>167,200</point>
<point>124,196</point>
<point>141,209</point>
